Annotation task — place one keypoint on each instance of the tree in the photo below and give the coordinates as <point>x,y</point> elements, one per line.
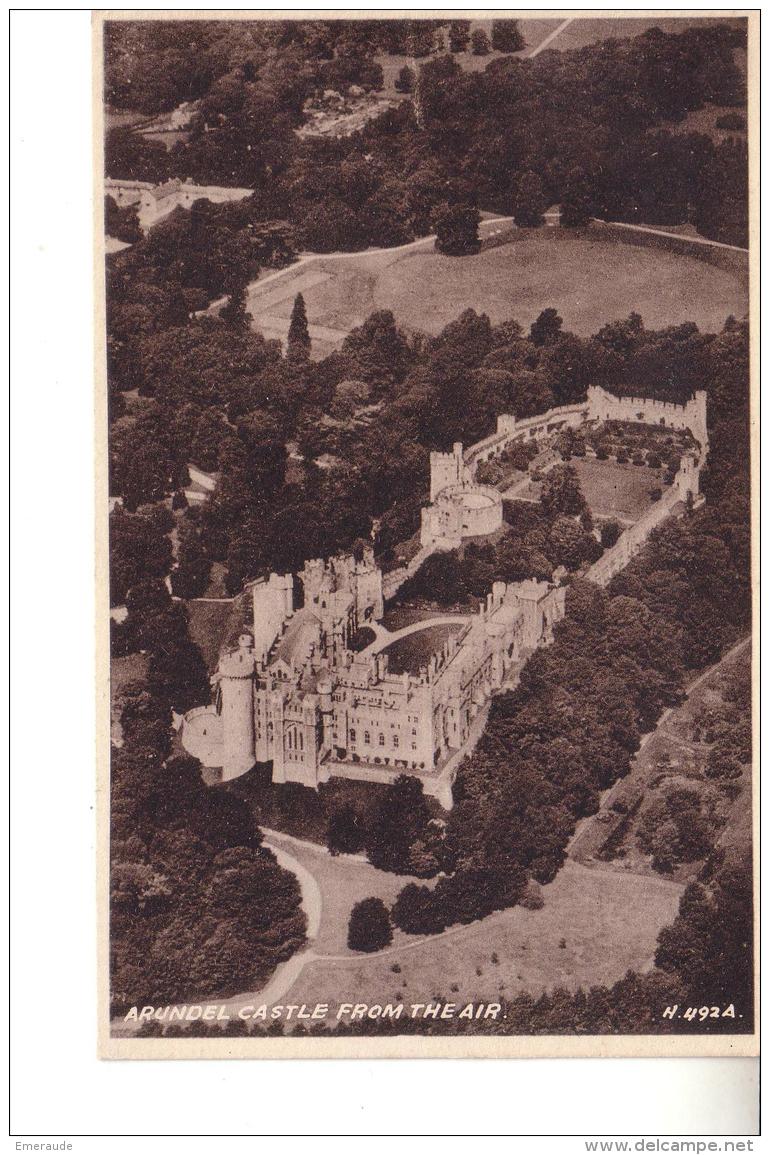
<point>528,203</point>
<point>345,832</point>
<point>138,549</point>
<point>506,36</point>
<point>235,312</point>
<point>191,576</point>
<point>562,492</point>
<point>369,928</point>
<point>722,761</point>
<point>298,341</point>
<point>457,229</point>
<point>405,80</point>
<point>459,35</point>
<point>416,911</point>
<point>177,674</point>
<point>479,42</point>
<point>610,532</point>
<point>545,328</point>
<point>577,200</point>
<point>400,819</point>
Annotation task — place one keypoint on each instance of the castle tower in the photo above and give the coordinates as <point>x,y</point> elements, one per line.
<point>235,676</point>
<point>446,469</point>
<point>697,409</point>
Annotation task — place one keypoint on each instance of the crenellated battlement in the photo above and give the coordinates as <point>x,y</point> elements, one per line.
<point>297,694</point>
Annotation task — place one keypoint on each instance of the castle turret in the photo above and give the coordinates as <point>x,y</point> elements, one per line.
<point>235,676</point>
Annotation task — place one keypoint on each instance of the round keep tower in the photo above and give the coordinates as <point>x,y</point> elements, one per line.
<point>236,682</point>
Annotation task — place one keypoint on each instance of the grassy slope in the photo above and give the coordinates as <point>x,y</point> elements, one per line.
<point>589,280</point>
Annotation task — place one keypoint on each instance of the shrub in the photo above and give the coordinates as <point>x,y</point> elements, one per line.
<point>179,500</point>
<point>532,899</point>
<point>639,459</point>
<point>610,532</point>
<point>655,493</point>
<point>346,831</point>
<point>369,927</point>
<point>416,911</point>
<point>653,460</point>
<point>405,80</point>
<point>622,457</point>
<point>722,761</point>
<point>479,43</point>
<point>602,453</point>
<point>731,121</point>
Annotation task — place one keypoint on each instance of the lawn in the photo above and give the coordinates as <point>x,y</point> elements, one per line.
<point>589,279</point>
<point>580,33</point>
<point>595,925</point>
<point>612,490</point>
<point>398,616</point>
<point>413,652</point>
<point>213,625</point>
<point>343,881</point>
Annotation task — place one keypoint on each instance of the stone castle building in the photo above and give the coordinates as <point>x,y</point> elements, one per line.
<point>298,693</point>
<point>156,201</point>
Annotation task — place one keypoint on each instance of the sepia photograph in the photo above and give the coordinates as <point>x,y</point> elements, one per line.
<point>427,456</point>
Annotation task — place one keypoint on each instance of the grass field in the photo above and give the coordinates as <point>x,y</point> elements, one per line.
<point>588,279</point>
<point>612,490</point>
<point>580,33</point>
<point>413,652</point>
<point>594,926</point>
<point>213,625</point>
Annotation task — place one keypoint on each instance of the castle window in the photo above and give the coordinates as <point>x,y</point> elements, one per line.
<point>395,741</point>
<point>352,735</point>
<point>367,738</point>
<point>414,732</point>
<point>381,740</point>
<point>414,745</point>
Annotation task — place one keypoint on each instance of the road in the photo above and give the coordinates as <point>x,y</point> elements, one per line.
<point>551,37</point>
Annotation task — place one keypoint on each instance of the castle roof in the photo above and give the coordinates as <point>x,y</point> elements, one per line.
<point>295,646</point>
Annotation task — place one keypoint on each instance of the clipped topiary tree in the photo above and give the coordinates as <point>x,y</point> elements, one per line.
<point>369,928</point>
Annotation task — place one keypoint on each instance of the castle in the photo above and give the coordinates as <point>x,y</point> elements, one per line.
<point>461,507</point>
<point>154,202</point>
<point>298,692</point>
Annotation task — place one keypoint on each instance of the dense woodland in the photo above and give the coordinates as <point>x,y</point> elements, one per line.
<point>197,904</point>
<point>218,394</point>
<point>591,129</point>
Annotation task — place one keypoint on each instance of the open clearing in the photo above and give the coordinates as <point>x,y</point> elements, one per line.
<point>580,33</point>
<point>606,922</point>
<point>590,280</point>
<point>612,490</point>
